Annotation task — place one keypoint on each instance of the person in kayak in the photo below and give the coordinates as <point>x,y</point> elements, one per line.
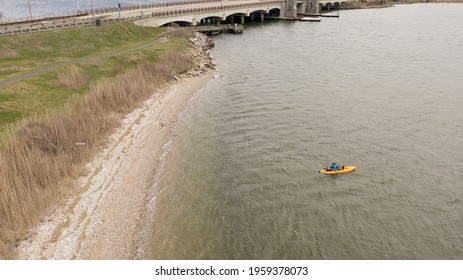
<point>334,166</point>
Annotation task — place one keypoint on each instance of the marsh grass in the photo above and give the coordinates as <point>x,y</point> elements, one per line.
<point>43,154</point>
<point>72,78</point>
<point>53,89</point>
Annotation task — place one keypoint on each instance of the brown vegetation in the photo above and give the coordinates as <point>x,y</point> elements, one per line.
<point>365,4</point>
<point>8,53</point>
<point>39,159</point>
<point>72,78</point>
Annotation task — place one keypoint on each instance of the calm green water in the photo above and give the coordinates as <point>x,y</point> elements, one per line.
<point>381,89</point>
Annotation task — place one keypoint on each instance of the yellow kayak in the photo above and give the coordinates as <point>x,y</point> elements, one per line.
<point>342,170</point>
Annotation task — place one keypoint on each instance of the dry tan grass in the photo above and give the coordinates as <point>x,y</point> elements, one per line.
<point>72,77</point>
<point>42,156</point>
<point>136,57</point>
<point>8,53</point>
<point>184,33</point>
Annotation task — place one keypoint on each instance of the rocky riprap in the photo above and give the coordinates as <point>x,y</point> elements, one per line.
<point>202,58</point>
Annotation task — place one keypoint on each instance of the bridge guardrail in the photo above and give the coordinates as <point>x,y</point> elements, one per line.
<point>56,25</point>
<point>152,6</point>
<point>34,27</point>
<point>99,11</point>
<point>210,9</point>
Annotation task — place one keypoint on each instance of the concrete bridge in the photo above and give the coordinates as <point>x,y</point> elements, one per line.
<point>187,13</point>
<point>216,11</point>
<point>213,12</point>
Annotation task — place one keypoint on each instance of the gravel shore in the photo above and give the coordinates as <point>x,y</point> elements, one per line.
<point>104,220</point>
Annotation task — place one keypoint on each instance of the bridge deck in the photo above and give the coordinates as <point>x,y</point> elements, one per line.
<point>133,13</point>
<point>149,14</point>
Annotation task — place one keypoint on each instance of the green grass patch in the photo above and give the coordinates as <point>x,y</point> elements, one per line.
<point>51,91</point>
<point>43,117</point>
<point>20,54</point>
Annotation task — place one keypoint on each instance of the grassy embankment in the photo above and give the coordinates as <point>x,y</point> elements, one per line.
<point>51,124</point>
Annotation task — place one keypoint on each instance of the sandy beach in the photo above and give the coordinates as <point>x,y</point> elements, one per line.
<point>104,220</point>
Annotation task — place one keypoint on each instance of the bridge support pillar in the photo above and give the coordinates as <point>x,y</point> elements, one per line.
<point>302,8</point>
<point>289,9</point>
<point>313,7</point>
<point>262,15</point>
<point>252,16</point>
<point>242,20</point>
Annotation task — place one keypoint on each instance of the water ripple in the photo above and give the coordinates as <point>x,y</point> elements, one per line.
<point>376,88</point>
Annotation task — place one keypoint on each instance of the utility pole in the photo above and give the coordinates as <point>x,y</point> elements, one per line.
<point>30,10</point>
<point>92,5</point>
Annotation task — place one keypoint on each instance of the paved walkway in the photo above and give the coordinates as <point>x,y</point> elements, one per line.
<point>52,67</point>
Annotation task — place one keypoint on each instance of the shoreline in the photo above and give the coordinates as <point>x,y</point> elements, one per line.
<point>388,4</point>
<point>105,219</point>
